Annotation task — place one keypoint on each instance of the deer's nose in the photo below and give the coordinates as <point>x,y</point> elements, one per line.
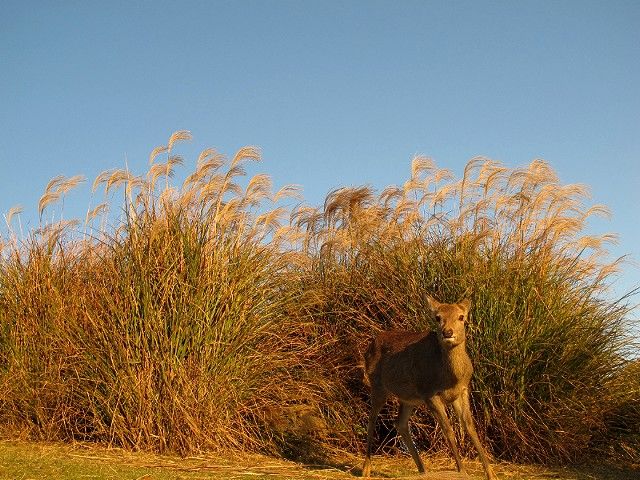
<point>447,332</point>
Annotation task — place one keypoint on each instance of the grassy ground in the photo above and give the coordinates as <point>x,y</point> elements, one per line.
<point>26,460</point>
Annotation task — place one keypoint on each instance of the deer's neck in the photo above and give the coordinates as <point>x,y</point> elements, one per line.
<point>456,361</point>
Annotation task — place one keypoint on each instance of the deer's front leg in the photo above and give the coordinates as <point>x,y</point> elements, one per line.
<point>462,407</point>
<point>402,425</point>
<point>440,412</point>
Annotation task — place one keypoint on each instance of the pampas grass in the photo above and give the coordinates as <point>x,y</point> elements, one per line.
<point>212,315</point>
<point>550,351</point>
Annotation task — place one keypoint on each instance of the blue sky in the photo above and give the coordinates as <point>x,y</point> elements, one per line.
<point>334,93</point>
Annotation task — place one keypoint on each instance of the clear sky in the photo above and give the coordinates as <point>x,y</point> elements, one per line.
<point>334,92</point>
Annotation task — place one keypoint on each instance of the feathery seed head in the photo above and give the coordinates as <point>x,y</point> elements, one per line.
<point>179,136</point>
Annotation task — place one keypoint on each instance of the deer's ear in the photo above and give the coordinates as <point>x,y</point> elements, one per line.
<point>433,303</point>
<point>465,304</point>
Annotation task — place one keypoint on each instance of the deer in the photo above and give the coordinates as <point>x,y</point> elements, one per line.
<point>430,367</point>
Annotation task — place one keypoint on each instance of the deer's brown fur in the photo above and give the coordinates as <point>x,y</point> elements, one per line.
<point>430,367</point>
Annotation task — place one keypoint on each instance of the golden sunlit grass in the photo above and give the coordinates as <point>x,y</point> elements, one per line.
<point>211,315</point>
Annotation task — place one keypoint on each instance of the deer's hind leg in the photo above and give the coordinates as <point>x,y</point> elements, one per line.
<point>378,400</point>
<point>402,425</point>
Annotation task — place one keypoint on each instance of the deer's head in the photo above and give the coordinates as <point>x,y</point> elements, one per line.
<point>451,319</point>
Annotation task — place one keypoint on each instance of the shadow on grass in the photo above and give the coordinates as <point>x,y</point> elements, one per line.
<point>604,472</point>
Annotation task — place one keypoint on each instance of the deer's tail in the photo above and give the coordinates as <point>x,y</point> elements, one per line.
<point>369,361</point>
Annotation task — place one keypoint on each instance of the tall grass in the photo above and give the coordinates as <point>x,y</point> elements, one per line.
<point>550,351</point>
<point>172,331</point>
<point>210,316</point>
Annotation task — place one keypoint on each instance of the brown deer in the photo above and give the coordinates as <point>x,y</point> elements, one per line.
<point>424,367</point>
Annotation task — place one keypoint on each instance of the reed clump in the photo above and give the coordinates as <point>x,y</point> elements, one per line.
<point>551,354</point>
<point>170,331</point>
<point>215,315</point>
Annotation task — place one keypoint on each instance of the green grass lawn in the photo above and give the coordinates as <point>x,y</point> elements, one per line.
<point>30,461</point>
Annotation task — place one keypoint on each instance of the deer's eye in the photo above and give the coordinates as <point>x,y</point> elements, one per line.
<point>438,318</point>
<point>461,318</point>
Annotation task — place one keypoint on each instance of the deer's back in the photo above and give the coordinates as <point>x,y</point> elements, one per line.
<point>409,365</point>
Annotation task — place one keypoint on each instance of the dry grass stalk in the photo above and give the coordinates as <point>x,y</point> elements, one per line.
<point>202,307</point>
<point>13,211</point>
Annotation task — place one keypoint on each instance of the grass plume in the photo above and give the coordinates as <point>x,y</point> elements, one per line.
<point>210,315</point>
